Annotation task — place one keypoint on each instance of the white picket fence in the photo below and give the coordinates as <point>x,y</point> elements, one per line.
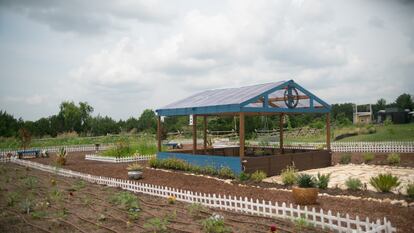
<point>53,149</point>
<point>134,158</point>
<point>321,218</point>
<point>379,147</point>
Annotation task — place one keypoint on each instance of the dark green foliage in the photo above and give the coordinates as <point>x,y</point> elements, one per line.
<point>244,176</point>
<point>345,158</point>
<point>323,181</point>
<point>384,182</point>
<point>393,159</point>
<point>368,157</point>
<point>353,184</point>
<point>410,190</point>
<point>306,181</point>
<point>226,173</point>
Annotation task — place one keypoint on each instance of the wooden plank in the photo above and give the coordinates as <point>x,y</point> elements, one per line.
<point>281,132</point>
<point>194,134</point>
<point>159,133</point>
<point>205,134</point>
<point>241,134</point>
<point>328,131</point>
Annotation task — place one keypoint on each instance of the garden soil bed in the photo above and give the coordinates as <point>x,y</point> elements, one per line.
<point>407,159</point>
<point>401,217</point>
<point>60,204</point>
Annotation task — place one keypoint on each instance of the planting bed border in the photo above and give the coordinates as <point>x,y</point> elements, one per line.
<point>135,158</point>
<point>238,204</point>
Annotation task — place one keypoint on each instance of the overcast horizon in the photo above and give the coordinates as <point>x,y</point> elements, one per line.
<point>125,56</point>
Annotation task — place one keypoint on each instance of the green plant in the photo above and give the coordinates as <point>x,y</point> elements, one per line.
<point>323,180</point>
<point>154,162</point>
<point>209,170</point>
<point>258,176</point>
<point>368,157</point>
<point>30,182</point>
<point>384,182</point>
<point>61,156</point>
<point>353,184</point>
<point>393,159</point>
<point>38,214</point>
<point>195,210</point>
<point>215,224</point>
<point>78,185</point>
<point>126,200</point>
<point>55,195</point>
<point>226,173</point>
<point>306,181</point>
<point>289,175</point>
<point>301,223</point>
<point>345,158</point>
<point>157,225</point>
<point>410,190</point>
<point>12,198</point>
<point>26,205</point>
<point>388,122</point>
<point>243,176</point>
<point>135,167</point>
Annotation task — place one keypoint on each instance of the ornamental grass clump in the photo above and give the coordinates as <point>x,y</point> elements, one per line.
<point>345,159</point>
<point>410,190</point>
<point>289,175</point>
<point>368,157</point>
<point>306,181</point>
<point>61,156</point>
<point>258,176</point>
<point>384,182</point>
<point>323,180</point>
<point>393,159</point>
<point>353,184</point>
<point>135,167</point>
<point>226,173</point>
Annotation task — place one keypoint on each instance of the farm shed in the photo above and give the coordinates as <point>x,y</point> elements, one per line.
<point>284,97</point>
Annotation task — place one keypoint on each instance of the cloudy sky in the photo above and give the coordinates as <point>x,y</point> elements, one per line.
<point>125,56</point>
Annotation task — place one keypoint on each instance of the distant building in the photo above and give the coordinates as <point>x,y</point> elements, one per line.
<point>362,117</point>
<point>395,115</point>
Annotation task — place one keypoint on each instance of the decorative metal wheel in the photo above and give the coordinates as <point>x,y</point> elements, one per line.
<point>291,97</point>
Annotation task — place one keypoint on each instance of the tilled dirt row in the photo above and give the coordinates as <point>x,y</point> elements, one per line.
<point>400,217</point>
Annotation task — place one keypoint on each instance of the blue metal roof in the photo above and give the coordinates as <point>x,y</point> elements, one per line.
<point>267,97</point>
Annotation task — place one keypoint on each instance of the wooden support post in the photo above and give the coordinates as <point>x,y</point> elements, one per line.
<point>205,134</point>
<point>328,131</point>
<point>281,133</point>
<point>194,134</point>
<point>159,133</point>
<point>241,134</point>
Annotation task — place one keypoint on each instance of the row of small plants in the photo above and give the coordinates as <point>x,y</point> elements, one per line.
<point>382,182</point>
<point>393,159</point>
<point>123,148</point>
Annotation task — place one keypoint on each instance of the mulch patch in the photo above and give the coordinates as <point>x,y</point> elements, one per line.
<point>401,217</point>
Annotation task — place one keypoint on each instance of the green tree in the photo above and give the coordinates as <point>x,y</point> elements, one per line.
<point>147,121</point>
<point>404,101</point>
<point>381,104</point>
<point>8,125</point>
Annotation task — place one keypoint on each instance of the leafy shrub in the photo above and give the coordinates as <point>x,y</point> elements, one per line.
<point>345,158</point>
<point>195,210</point>
<point>301,223</point>
<point>323,180</point>
<point>12,198</point>
<point>393,159</point>
<point>306,181</point>
<point>30,182</point>
<point>226,173</point>
<point>209,170</point>
<point>243,176</point>
<point>154,162</point>
<point>384,182</point>
<point>215,224</point>
<point>368,157</point>
<point>388,122</point>
<point>258,176</point>
<point>126,200</point>
<point>353,184</point>
<point>157,225</point>
<point>410,190</point>
<point>289,175</point>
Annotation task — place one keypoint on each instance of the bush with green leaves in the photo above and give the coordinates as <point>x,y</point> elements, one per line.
<point>195,210</point>
<point>345,158</point>
<point>353,184</point>
<point>289,175</point>
<point>215,224</point>
<point>243,176</point>
<point>393,159</point>
<point>410,190</point>
<point>300,224</point>
<point>158,225</point>
<point>384,182</point>
<point>30,182</point>
<point>12,198</point>
<point>258,176</point>
<point>323,180</point>
<point>368,157</point>
<point>306,181</point>
<point>126,200</point>
<point>226,173</point>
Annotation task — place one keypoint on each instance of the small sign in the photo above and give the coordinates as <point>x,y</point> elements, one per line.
<point>190,120</point>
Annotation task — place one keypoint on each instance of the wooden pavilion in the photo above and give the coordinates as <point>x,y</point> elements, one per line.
<point>284,97</point>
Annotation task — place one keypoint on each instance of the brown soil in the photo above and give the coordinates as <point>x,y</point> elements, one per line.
<point>407,159</point>
<point>86,208</point>
<point>401,217</point>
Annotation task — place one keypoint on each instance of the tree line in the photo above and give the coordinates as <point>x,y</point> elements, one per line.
<point>77,118</point>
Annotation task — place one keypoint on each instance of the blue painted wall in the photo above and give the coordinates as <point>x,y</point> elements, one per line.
<point>205,160</point>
